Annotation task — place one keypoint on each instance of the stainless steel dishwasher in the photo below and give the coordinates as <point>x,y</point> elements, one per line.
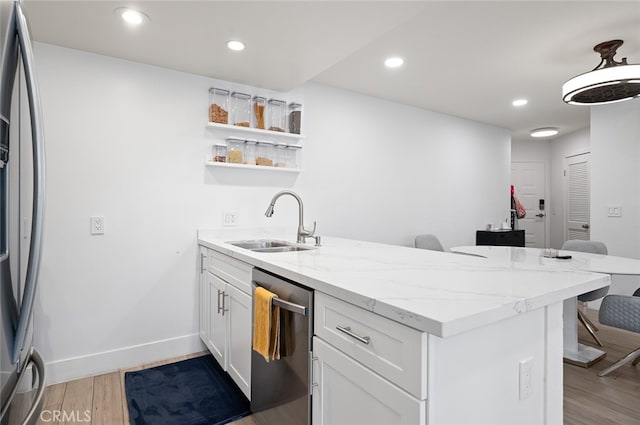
<point>280,388</point>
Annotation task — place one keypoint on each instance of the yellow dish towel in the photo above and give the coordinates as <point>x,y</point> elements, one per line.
<point>266,325</point>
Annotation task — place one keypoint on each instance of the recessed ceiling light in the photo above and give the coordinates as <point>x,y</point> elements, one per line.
<point>235,45</point>
<point>131,16</point>
<point>394,62</point>
<point>519,102</point>
<point>544,132</point>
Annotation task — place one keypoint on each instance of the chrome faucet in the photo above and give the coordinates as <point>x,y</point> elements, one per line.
<point>302,232</point>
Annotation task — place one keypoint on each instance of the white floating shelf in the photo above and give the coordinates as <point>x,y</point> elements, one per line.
<point>255,133</point>
<point>252,167</point>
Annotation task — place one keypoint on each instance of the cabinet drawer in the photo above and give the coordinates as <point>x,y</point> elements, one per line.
<point>395,351</point>
<point>230,270</point>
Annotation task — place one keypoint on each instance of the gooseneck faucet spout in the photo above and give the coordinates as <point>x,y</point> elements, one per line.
<point>302,232</point>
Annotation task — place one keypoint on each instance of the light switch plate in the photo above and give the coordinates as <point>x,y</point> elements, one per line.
<point>614,211</point>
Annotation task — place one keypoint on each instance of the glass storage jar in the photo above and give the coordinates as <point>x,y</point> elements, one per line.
<point>277,115</point>
<point>280,155</point>
<point>241,109</point>
<point>264,153</point>
<point>292,156</point>
<point>219,106</point>
<point>250,152</point>
<point>235,150</point>
<point>295,117</point>
<point>219,152</point>
<point>259,104</point>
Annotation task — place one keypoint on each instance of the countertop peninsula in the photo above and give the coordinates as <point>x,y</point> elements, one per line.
<point>440,293</point>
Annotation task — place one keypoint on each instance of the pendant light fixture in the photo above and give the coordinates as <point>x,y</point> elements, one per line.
<point>609,82</point>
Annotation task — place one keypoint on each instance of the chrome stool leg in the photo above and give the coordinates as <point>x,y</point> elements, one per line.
<point>632,357</point>
<point>583,319</point>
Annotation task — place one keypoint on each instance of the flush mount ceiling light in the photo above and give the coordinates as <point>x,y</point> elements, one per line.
<point>613,82</point>
<point>235,45</point>
<point>394,62</point>
<point>519,102</point>
<point>131,16</point>
<point>544,132</point>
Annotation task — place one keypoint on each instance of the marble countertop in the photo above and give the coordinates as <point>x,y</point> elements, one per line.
<point>436,292</point>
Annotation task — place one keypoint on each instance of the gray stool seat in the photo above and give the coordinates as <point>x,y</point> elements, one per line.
<point>428,241</point>
<point>592,247</point>
<point>622,311</point>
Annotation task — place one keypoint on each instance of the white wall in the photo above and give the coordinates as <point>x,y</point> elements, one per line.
<point>615,180</point>
<point>570,145</point>
<point>127,141</point>
<point>381,171</point>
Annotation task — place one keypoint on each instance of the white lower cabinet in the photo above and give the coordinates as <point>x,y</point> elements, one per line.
<point>239,338</point>
<point>217,339</point>
<point>226,315</point>
<point>204,296</point>
<point>346,392</point>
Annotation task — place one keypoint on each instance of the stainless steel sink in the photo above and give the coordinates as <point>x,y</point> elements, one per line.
<point>268,245</point>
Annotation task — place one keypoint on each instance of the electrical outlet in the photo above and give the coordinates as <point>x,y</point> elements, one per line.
<point>230,219</point>
<point>525,378</point>
<point>97,225</point>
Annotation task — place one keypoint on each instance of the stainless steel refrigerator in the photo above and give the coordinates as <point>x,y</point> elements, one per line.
<point>21,219</point>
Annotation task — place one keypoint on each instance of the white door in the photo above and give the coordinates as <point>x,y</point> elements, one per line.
<point>577,193</point>
<point>217,322</point>
<point>528,179</point>
<point>239,317</point>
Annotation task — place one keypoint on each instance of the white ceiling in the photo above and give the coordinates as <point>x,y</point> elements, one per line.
<point>468,59</point>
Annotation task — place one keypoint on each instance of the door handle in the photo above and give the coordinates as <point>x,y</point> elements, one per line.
<point>585,226</point>
<point>540,215</point>
<point>37,216</point>
<point>220,308</point>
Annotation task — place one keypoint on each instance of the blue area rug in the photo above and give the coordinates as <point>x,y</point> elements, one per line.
<point>191,392</point>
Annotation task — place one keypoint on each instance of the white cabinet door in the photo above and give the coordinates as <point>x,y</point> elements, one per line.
<point>204,297</point>
<point>349,393</point>
<point>239,341</point>
<point>217,322</point>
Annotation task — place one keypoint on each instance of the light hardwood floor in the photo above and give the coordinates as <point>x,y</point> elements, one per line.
<point>588,399</point>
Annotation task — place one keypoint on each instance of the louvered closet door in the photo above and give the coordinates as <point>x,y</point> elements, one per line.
<point>577,197</point>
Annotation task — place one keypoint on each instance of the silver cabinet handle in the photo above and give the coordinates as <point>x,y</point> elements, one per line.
<point>220,307</point>
<point>347,330</point>
<point>202,257</point>
<point>224,310</point>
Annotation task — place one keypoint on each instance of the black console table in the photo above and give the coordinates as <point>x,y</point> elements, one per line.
<point>500,237</point>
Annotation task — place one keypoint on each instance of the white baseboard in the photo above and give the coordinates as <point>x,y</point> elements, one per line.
<point>122,358</point>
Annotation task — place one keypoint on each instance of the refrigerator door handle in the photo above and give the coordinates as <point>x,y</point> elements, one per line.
<point>33,264</point>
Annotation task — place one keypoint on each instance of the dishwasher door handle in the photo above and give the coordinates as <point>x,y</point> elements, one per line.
<point>289,306</point>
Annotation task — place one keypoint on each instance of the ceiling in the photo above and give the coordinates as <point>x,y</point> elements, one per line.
<point>468,59</point>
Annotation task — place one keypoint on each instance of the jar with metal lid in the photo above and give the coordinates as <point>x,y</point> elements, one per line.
<point>280,155</point>
<point>219,152</point>
<point>264,153</point>
<point>235,150</point>
<point>219,106</point>
<point>259,105</point>
<point>292,156</point>
<point>250,152</point>
<point>241,109</point>
<point>277,117</point>
<point>295,117</point>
